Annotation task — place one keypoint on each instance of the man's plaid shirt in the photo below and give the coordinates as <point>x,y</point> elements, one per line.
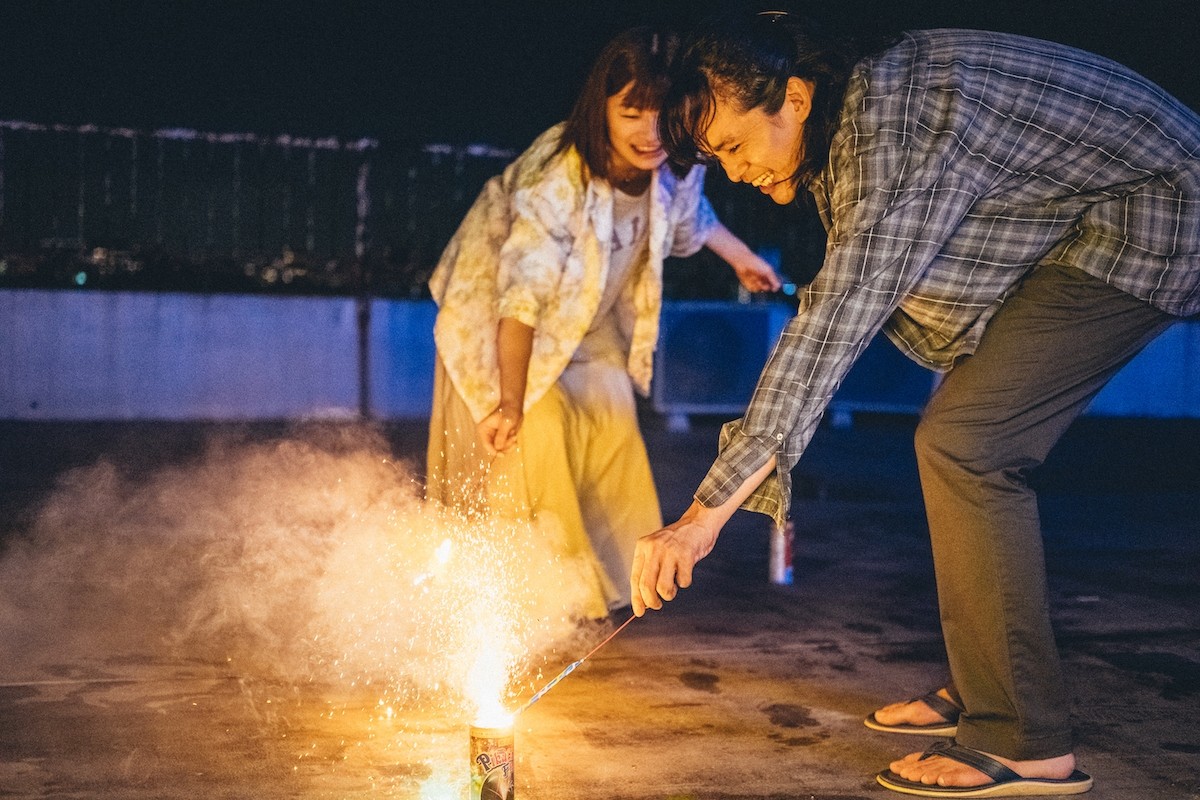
<point>962,161</point>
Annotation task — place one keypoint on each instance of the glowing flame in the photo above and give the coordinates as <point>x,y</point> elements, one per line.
<point>486,683</point>
<point>441,557</point>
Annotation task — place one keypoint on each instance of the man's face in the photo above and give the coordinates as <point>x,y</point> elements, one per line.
<point>762,149</point>
<point>633,135</point>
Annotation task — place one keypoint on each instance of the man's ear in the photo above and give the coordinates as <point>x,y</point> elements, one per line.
<point>799,97</point>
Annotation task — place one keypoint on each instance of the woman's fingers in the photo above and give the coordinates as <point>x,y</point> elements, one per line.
<point>498,431</point>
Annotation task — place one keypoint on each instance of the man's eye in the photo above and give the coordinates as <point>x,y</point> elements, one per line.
<point>734,148</point>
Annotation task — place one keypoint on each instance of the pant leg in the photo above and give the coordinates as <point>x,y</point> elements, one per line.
<point>1045,355</point>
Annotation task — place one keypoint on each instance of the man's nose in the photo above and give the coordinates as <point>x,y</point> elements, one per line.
<point>735,168</point>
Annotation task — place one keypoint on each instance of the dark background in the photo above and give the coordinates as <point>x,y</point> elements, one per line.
<point>457,72</point>
<point>402,74</point>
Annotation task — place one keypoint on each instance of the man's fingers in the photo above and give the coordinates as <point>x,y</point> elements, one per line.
<point>662,565</point>
<point>635,577</point>
<point>649,592</point>
<point>665,587</point>
<point>647,586</point>
<point>658,583</point>
<point>651,581</point>
<point>683,574</point>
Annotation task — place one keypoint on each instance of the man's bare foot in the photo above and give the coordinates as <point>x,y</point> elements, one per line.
<point>944,771</point>
<point>913,712</point>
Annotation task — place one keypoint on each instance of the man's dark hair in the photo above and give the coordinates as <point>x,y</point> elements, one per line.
<point>641,55</point>
<point>748,60</point>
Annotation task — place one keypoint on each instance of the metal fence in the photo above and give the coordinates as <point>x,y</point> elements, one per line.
<point>185,210</point>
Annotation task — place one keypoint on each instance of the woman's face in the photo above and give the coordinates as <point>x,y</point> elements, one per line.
<point>758,148</point>
<point>632,136</point>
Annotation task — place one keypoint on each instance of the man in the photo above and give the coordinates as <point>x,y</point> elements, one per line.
<point>1020,215</point>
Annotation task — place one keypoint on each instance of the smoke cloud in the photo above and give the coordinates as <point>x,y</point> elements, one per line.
<point>307,557</point>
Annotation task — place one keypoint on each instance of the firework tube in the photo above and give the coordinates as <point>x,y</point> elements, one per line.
<point>492,760</point>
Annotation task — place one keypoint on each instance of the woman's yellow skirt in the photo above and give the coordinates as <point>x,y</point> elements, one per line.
<point>579,469</point>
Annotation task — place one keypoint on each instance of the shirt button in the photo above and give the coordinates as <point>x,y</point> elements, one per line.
<point>779,437</point>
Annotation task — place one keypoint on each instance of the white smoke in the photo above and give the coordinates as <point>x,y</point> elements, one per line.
<point>309,557</point>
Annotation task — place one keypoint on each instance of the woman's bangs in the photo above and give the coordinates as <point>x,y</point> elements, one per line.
<point>648,92</point>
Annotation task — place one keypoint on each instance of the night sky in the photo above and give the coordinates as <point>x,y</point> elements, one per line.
<point>496,72</point>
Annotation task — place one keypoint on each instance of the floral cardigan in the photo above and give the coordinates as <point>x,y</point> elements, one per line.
<point>535,247</point>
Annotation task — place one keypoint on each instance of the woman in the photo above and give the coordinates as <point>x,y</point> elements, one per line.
<point>1020,215</point>
<point>549,297</point>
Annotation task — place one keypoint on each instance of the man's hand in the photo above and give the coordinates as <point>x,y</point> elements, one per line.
<point>663,560</point>
<point>498,430</point>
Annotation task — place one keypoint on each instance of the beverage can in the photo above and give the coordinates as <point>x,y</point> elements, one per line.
<point>781,553</point>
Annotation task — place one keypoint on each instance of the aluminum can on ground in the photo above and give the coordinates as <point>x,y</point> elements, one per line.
<point>781,553</point>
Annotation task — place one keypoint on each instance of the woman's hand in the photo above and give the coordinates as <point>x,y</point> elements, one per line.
<point>514,344</point>
<point>756,274</point>
<point>499,429</point>
<point>751,269</point>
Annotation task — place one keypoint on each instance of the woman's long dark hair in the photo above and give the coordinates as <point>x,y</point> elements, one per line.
<point>641,55</point>
<point>748,60</point>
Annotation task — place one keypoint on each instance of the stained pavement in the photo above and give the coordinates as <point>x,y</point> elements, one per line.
<point>740,689</point>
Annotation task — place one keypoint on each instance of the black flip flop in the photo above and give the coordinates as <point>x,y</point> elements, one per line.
<point>1005,782</point>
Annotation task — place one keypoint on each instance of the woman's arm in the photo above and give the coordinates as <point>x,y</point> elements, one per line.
<point>514,344</point>
<point>753,272</point>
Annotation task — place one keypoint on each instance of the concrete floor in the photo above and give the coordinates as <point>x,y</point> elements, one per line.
<point>740,689</point>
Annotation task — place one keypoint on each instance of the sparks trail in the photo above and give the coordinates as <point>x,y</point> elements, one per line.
<point>571,667</point>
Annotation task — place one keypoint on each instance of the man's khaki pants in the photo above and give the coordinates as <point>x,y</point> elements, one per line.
<point>1047,352</point>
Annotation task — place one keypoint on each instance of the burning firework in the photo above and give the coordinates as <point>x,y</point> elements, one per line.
<point>345,579</point>
<point>492,760</point>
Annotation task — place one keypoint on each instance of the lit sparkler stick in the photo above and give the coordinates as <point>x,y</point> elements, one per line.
<point>571,667</point>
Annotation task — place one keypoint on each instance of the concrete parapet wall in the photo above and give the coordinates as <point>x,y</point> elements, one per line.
<point>77,355</point>
<point>124,356</point>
